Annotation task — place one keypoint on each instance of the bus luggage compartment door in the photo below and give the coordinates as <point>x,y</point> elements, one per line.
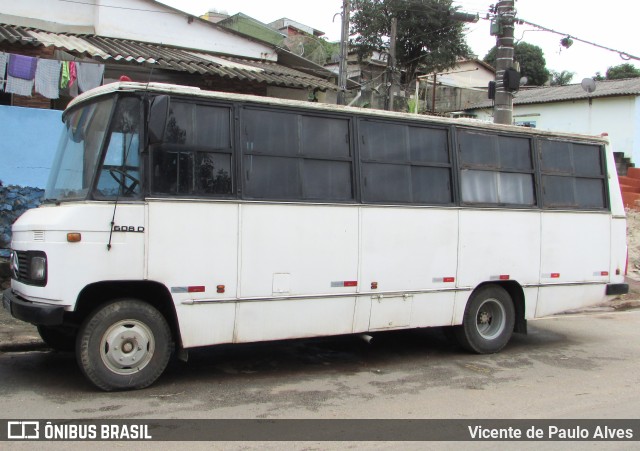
<point>389,312</point>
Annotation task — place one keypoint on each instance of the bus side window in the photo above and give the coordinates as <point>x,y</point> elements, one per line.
<point>196,155</point>
<point>572,175</point>
<point>172,171</point>
<point>408,164</point>
<point>296,156</point>
<point>496,169</point>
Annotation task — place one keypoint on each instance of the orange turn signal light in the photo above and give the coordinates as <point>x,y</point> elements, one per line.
<point>74,237</point>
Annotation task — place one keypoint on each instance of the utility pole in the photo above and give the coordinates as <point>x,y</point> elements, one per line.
<point>391,67</point>
<point>433,98</point>
<point>504,30</point>
<point>344,53</point>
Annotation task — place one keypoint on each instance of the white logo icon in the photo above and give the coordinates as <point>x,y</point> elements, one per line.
<point>23,430</point>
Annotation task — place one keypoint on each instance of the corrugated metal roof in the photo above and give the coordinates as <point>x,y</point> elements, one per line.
<point>548,94</point>
<point>194,62</point>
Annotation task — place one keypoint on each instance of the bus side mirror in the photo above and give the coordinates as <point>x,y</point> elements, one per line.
<point>157,124</point>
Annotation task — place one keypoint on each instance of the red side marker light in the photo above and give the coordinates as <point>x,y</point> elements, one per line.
<point>374,285</point>
<point>604,273</point>
<point>448,279</point>
<point>220,289</point>
<point>555,275</point>
<point>351,283</point>
<point>504,277</point>
<point>198,289</point>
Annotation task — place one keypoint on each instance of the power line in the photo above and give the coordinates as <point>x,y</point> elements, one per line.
<point>176,12</point>
<point>624,55</point>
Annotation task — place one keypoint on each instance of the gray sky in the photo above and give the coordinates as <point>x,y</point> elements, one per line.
<point>613,25</point>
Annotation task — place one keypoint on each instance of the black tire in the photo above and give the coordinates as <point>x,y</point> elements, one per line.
<point>488,321</point>
<point>124,345</point>
<point>59,338</point>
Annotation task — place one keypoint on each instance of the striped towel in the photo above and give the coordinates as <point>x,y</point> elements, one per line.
<point>89,75</point>
<point>48,78</point>
<point>3,68</point>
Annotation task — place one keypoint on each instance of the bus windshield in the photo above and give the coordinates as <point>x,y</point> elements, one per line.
<point>84,137</point>
<point>78,151</point>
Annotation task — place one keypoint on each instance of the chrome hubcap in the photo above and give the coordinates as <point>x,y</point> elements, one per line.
<point>490,321</point>
<point>127,346</point>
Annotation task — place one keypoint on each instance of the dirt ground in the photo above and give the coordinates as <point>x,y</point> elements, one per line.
<point>633,244</point>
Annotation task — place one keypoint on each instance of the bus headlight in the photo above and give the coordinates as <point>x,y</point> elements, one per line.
<point>38,269</point>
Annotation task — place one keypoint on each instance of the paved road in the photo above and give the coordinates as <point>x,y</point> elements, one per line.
<point>580,366</point>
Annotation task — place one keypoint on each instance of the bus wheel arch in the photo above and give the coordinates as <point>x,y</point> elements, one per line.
<point>124,344</point>
<point>489,319</point>
<point>157,295</point>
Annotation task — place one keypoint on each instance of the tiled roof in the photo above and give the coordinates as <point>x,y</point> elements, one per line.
<point>107,50</point>
<point>547,94</point>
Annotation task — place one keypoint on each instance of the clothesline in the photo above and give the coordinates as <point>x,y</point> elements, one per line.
<point>47,76</point>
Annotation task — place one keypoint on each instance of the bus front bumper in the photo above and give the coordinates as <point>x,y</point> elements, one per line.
<point>32,312</point>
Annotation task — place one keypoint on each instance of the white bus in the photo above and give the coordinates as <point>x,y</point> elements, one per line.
<point>177,218</point>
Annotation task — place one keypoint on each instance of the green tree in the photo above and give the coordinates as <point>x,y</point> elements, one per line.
<point>531,59</point>
<point>625,70</point>
<point>427,35</point>
<point>561,78</point>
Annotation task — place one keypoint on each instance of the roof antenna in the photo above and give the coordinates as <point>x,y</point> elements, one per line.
<point>151,71</point>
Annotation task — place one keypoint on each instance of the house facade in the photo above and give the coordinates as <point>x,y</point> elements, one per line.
<point>457,88</point>
<point>613,108</point>
<point>146,41</point>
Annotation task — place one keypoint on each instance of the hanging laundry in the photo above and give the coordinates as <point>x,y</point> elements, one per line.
<point>73,74</point>
<point>73,90</point>
<point>21,66</point>
<point>21,72</point>
<point>89,75</point>
<point>64,76</point>
<point>4,57</point>
<point>48,78</point>
<point>68,78</point>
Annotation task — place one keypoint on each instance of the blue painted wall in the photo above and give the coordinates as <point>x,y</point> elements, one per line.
<point>28,142</point>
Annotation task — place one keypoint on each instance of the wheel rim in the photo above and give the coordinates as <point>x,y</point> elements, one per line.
<point>490,320</point>
<point>127,346</point>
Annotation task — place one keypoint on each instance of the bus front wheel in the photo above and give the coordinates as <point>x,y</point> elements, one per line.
<point>488,320</point>
<point>124,345</point>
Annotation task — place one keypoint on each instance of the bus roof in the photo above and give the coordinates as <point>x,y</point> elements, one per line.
<point>169,89</point>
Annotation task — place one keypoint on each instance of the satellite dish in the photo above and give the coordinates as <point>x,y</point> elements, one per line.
<point>524,81</point>
<point>589,85</point>
<point>316,52</point>
<point>295,44</point>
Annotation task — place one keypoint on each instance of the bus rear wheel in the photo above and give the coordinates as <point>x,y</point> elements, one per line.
<point>124,345</point>
<point>488,321</point>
